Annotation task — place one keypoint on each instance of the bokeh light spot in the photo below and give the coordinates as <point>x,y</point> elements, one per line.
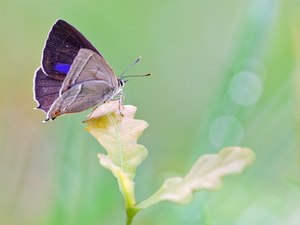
<point>226,130</point>
<point>257,216</point>
<point>245,88</point>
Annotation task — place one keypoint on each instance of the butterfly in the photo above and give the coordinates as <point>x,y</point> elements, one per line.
<point>73,76</point>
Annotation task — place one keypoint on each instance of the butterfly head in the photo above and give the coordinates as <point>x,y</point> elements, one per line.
<point>121,82</point>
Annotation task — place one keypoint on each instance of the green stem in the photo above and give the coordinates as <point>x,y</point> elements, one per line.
<point>131,212</point>
<point>127,189</point>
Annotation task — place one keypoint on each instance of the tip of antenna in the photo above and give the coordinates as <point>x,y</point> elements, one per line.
<point>148,74</point>
<point>138,59</point>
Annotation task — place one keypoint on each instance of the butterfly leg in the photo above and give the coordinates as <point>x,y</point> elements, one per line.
<point>121,100</point>
<point>121,105</point>
<point>90,114</point>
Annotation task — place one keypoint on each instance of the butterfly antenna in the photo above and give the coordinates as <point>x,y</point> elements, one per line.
<point>131,65</point>
<point>140,75</point>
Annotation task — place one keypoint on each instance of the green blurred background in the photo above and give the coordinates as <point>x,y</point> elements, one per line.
<point>224,73</point>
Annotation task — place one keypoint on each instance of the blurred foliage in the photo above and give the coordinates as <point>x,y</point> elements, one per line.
<point>208,56</point>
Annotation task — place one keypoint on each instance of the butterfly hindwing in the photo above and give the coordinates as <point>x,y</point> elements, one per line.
<point>46,90</point>
<point>63,44</point>
<point>81,97</point>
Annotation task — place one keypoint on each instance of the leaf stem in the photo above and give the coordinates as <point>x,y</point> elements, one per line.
<point>131,212</point>
<point>127,190</point>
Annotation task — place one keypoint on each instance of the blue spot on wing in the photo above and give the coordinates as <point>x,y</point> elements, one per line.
<point>62,67</point>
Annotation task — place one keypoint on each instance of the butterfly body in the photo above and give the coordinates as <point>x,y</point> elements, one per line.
<point>74,76</point>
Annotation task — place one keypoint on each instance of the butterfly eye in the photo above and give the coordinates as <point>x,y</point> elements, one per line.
<point>121,82</point>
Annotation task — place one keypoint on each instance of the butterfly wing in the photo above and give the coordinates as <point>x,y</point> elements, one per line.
<point>46,90</point>
<point>74,76</point>
<point>63,43</point>
<point>89,66</point>
<point>81,97</point>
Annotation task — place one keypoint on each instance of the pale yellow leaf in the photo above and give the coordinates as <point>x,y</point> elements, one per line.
<point>118,135</point>
<point>206,174</point>
<point>117,131</point>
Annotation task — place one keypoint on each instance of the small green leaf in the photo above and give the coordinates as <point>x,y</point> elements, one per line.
<point>206,174</point>
<point>118,134</point>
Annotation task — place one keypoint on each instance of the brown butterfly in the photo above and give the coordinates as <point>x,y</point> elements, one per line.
<point>73,76</point>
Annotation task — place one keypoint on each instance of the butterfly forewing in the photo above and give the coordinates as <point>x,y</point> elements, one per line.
<point>88,66</point>
<point>61,48</point>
